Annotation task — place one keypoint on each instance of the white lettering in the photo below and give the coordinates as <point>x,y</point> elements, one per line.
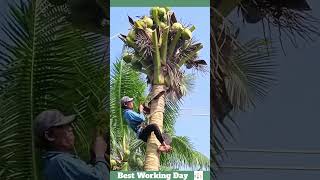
<point>154,175</point>
<point>177,175</point>
<point>185,176</point>
<point>141,175</point>
<point>122,175</point>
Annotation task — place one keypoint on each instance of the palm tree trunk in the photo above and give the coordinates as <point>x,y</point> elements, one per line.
<point>152,161</point>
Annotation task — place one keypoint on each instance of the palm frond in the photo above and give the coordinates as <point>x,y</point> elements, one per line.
<point>144,43</point>
<point>124,82</point>
<point>250,74</point>
<point>44,63</point>
<point>290,18</point>
<point>184,155</point>
<point>179,83</point>
<point>242,75</point>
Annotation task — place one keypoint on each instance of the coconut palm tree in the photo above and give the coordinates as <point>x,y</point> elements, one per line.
<point>127,151</point>
<point>160,47</point>
<point>46,63</point>
<point>88,15</point>
<point>242,73</point>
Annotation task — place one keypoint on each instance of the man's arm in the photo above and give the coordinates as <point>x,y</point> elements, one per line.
<point>133,116</point>
<point>73,168</point>
<point>79,170</point>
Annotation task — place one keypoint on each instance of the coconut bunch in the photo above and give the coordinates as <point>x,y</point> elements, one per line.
<point>120,155</point>
<point>159,43</point>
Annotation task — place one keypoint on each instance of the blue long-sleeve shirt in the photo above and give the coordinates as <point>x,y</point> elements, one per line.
<point>66,166</point>
<point>133,119</point>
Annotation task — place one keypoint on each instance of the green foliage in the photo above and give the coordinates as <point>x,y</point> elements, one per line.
<point>126,81</point>
<point>47,64</point>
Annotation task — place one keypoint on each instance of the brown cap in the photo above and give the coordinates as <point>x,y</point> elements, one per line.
<point>51,118</point>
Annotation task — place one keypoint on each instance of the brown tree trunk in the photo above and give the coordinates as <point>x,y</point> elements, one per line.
<point>152,161</point>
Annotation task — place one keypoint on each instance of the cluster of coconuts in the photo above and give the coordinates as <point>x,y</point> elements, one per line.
<point>124,163</point>
<point>148,23</point>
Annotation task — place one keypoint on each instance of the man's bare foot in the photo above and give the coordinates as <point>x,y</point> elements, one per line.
<point>164,148</point>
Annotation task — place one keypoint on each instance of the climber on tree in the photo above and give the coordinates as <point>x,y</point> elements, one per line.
<point>137,122</point>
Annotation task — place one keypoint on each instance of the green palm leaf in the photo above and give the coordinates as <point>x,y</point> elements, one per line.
<point>124,82</point>
<point>184,155</point>
<point>44,65</point>
<point>250,74</point>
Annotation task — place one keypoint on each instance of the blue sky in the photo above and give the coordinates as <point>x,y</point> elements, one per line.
<point>194,119</point>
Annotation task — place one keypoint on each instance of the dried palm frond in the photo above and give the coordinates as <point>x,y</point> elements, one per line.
<point>198,65</point>
<point>173,80</point>
<point>144,43</point>
<point>290,18</point>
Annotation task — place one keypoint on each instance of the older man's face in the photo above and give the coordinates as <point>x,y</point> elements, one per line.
<point>63,137</point>
<point>130,105</point>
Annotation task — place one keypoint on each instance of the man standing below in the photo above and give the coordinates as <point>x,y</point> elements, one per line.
<point>56,136</point>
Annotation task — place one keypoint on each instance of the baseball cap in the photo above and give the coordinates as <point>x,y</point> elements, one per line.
<point>51,118</point>
<point>125,99</point>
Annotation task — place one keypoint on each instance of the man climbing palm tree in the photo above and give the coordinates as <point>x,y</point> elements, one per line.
<point>137,122</point>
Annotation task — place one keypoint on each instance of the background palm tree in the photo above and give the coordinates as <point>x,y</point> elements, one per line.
<point>48,63</point>
<point>161,47</point>
<point>88,15</point>
<point>128,152</point>
<point>241,72</point>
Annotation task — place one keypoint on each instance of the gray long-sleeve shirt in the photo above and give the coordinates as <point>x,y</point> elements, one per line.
<point>66,166</point>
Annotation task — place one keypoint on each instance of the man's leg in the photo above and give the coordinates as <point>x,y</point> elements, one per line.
<point>146,132</point>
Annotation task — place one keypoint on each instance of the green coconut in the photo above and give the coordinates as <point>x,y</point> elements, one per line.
<point>186,34</point>
<point>162,12</point>
<point>139,24</point>
<point>149,32</point>
<point>113,162</point>
<point>130,42</point>
<point>148,21</point>
<point>127,57</point>
<point>176,26</point>
<point>163,25</point>
<point>153,9</point>
<point>132,34</point>
<point>127,153</point>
